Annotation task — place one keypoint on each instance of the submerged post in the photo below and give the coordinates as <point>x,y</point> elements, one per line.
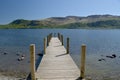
<point>68,46</point>
<point>83,56</point>
<point>44,45</point>
<point>32,58</point>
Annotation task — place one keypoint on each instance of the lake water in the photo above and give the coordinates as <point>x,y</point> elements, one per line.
<point>100,43</point>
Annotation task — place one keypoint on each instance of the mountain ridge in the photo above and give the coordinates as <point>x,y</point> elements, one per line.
<point>91,21</point>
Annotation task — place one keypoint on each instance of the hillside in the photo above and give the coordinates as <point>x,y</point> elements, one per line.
<point>71,22</point>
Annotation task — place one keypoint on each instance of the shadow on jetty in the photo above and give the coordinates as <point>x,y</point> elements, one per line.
<point>38,61</point>
<point>60,55</point>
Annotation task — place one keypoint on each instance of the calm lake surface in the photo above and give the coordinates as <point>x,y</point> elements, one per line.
<point>100,43</point>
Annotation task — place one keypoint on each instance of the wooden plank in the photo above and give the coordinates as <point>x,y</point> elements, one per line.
<point>56,64</point>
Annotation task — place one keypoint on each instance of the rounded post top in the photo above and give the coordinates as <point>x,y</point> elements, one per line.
<point>67,37</point>
<point>32,44</point>
<point>83,45</point>
<point>44,38</point>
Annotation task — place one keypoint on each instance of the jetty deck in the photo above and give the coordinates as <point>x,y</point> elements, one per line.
<point>56,64</point>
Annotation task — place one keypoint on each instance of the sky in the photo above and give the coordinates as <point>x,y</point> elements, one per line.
<point>40,9</point>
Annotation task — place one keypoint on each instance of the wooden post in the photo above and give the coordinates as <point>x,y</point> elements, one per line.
<point>44,45</point>
<point>62,39</point>
<point>68,46</point>
<point>50,36</point>
<point>32,58</point>
<point>47,40</point>
<point>83,56</point>
<point>59,36</point>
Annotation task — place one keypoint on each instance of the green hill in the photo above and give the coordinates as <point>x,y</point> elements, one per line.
<point>71,22</point>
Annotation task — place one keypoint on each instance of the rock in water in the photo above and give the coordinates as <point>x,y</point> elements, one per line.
<point>114,55</point>
<point>5,53</point>
<point>101,59</point>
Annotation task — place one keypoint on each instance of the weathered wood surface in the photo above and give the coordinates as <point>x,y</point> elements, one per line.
<point>56,64</point>
<point>32,55</point>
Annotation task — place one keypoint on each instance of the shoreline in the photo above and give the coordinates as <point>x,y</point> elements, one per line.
<point>2,77</point>
<point>13,75</point>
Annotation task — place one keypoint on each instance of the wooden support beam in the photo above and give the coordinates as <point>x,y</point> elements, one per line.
<point>45,45</point>
<point>68,46</point>
<point>50,36</point>
<point>32,58</point>
<point>59,36</point>
<point>62,40</point>
<point>83,57</point>
<point>47,40</point>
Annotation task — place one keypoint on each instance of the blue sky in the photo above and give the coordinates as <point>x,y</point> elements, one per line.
<point>39,9</point>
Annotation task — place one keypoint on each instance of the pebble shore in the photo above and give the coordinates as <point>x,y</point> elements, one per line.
<point>10,78</point>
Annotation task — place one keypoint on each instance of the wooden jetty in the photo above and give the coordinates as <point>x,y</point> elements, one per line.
<point>56,63</point>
